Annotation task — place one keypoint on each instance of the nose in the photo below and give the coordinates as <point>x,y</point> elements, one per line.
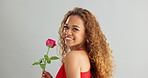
<point>68,32</point>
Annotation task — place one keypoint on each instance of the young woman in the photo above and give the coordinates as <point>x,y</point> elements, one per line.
<point>86,54</point>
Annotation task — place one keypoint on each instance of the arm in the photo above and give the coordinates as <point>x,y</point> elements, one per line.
<point>72,64</point>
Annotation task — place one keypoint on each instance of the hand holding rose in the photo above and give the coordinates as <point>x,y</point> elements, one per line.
<point>46,74</point>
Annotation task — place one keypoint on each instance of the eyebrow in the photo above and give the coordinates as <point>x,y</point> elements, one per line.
<point>73,25</point>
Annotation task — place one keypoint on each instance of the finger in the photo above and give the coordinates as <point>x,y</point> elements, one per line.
<point>43,75</point>
<point>42,72</point>
<point>45,72</point>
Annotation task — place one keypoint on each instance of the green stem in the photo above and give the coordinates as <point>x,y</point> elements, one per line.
<point>45,61</point>
<point>48,50</point>
<point>45,64</point>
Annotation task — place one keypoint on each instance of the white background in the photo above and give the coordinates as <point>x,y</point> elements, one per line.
<point>25,25</point>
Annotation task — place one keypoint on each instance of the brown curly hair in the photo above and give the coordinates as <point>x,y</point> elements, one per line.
<point>100,54</point>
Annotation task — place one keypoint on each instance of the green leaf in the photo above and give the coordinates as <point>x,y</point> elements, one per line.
<point>43,66</point>
<point>54,58</point>
<point>41,60</point>
<point>49,61</point>
<point>36,63</point>
<point>46,57</point>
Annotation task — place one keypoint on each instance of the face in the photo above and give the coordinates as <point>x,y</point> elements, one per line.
<point>74,32</point>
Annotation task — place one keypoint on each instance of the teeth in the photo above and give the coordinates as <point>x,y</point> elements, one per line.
<point>69,38</point>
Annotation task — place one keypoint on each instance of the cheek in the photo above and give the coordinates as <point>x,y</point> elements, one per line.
<point>64,33</point>
<point>81,36</point>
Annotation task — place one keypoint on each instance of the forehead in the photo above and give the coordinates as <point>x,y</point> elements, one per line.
<point>75,20</point>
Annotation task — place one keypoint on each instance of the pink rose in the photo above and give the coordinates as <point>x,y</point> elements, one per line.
<point>46,59</point>
<point>50,43</point>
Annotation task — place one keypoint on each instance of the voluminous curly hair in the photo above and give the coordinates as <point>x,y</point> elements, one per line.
<point>100,54</point>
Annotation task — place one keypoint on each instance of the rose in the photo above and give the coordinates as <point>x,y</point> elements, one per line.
<point>42,62</point>
<point>50,43</point>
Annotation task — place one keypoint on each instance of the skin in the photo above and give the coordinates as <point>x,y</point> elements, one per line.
<point>74,28</point>
<point>75,61</point>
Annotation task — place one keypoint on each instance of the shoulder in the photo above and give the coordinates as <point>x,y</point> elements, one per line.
<point>73,56</point>
<point>75,61</point>
<point>72,63</point>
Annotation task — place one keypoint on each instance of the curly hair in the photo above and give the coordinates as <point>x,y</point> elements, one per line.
<point>100,54</point>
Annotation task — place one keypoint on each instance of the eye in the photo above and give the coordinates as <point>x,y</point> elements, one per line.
<point>65,27</point>
<point>75,29</point>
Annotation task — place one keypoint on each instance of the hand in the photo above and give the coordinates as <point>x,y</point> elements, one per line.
<point>46,74</point>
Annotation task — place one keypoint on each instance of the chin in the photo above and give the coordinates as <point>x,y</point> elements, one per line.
<point>69,45</point>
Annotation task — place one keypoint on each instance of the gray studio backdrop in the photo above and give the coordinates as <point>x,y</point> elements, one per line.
<point>25,25</point>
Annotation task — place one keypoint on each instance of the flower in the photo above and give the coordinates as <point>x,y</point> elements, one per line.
<point>46,60</point>
<point>50,43</point>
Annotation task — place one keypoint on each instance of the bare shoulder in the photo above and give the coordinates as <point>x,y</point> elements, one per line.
<point>72,64</point>
<point>76,61</point>
<point>75,56</point>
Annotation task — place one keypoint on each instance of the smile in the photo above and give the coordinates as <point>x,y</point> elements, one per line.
<point>69,39</point>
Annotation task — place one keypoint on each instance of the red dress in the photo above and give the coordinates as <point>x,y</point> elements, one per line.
<point>62,73</point>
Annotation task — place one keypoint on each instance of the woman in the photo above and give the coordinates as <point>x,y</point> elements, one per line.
<point>86,54</point>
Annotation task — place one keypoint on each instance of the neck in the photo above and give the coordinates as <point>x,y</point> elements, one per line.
<point>77,47</point>
<point>72,49</point>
